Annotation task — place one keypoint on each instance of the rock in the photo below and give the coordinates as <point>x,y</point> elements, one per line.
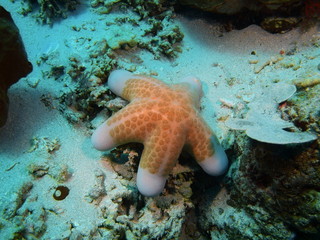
<point>13,60</point>
<point>264,124</point>
<point>279,24</point>
<point>235,6</point>
<point>275,16</point>
<point>217,6</point>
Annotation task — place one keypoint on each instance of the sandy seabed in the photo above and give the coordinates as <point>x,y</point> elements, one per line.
<point>38,138</point>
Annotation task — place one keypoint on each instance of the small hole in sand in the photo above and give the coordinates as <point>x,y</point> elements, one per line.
<point>61,193</point>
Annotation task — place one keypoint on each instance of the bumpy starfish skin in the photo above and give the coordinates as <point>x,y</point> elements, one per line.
<point>165,119</point>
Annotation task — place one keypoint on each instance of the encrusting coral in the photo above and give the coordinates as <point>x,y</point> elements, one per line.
<point>164,119</point>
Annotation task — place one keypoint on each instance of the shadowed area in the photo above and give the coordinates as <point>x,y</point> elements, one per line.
<point>13,60</point>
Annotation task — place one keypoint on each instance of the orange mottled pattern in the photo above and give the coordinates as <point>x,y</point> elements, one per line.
<point>164,119</point>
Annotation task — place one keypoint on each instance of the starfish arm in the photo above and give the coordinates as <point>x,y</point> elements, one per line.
<point>193,86</point>
<point>130,124</point>
<point>130,86</point>
<point>206,148</point>
<point>146,87</point>
<point>159,156</point>
<point>101,138</point>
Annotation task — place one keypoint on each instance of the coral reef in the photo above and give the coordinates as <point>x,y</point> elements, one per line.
<point>156,222</point>
<point>49,10</point>
<point>18,219</point>
<point>149,26</point>
<point>86,95</point>
<point>44,149</point>
<point>283,180</point>
<point>10,210</point>
<point>158,33</point>
<point>98,191</point>
<point>44,145</point>
<point>128,212</point>
<point>154,8</point>
<point>59,172</point>
<point>12,55</point>
<point>223,220</point>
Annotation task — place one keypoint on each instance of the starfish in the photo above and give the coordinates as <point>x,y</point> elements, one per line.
<point>164,119</point>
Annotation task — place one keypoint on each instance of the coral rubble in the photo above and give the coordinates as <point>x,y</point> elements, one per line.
<point>159,34</point>
<point>49,10</point>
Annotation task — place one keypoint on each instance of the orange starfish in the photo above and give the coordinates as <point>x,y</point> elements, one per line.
<point>165,119</point>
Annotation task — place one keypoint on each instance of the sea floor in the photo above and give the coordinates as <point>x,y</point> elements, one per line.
<point>41,150</point>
